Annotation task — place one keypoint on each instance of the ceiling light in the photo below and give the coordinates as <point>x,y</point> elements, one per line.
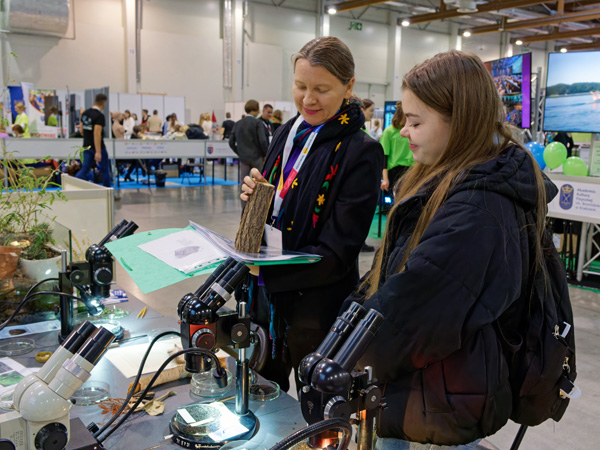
<point>331,10</point>
<point>466,33</point>
<point>563,50</point>
<point>405,22</point>
<point>519,42</point>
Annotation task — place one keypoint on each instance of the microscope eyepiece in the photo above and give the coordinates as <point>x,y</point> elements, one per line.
<point>221,290</point>
<point>78,336</point>
<point>96,345</point>
<point>224,267</point>
<point>239,272</point>
<point>357,343</point>
<point>341,328</point>
<point>338,332</point>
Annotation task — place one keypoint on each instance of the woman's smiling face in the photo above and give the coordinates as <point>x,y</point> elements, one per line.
<point>318,94</point>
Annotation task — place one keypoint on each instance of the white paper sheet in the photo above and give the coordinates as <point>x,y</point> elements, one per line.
<point>186,251</point>
<point>129,358</point>
<point>30,328</point>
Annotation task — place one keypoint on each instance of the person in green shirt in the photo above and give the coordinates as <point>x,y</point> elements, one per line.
<point>53,118</point>
<point>22,119</point>
<point>396,150</point>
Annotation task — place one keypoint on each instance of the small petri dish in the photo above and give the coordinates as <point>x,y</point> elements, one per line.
<point>203,384</point>
<point>16,347</point>
<point>243,445</point>
<point>114,326</point>
<point>6,402</point>
<point>264,391</point>
<point>155,332</point>
<point>91,393</point>
<point>197,420</point>
<point>114,313</point>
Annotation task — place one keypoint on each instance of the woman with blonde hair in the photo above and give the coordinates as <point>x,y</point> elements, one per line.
<point>453,260</point>
<point>276,120</point>
<point>22,119</point>
<point>206,123</point>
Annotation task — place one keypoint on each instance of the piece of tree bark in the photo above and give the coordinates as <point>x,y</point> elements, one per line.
<point>252,226</point>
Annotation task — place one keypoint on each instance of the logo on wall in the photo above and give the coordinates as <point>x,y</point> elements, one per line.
<point>566,196</point>
<point>210,150</point>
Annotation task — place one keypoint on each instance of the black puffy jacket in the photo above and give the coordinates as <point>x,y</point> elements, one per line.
<point>437,357</point>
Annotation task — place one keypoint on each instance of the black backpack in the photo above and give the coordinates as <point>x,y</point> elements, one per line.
<point>537,335</point>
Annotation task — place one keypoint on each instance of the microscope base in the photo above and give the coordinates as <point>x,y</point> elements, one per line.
<point>204,437</point>
<point>81,438</point>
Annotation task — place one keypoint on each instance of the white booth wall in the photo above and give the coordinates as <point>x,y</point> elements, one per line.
<point>182,51</point>
<point>93,58</point>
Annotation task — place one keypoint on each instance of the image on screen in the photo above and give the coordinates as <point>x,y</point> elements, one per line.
<point>512,76</point>
<point>388,113</point>
<point>573,92</point>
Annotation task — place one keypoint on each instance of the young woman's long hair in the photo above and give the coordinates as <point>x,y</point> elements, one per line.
<point>458,86</point>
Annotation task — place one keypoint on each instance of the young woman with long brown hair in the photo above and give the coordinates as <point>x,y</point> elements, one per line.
<point>453,259</point>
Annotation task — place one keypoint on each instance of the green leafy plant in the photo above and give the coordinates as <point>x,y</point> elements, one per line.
<point>24,197</point>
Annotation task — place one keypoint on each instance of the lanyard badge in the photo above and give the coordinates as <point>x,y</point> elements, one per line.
<point>284,186</point>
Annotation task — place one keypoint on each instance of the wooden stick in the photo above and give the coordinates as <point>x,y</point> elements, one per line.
<point>252,226</point>
<point>172,374</point>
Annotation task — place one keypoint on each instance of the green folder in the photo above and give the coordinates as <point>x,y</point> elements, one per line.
<point>150,273</point>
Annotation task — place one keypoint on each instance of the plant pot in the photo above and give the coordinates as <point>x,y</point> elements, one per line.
<point>9,258</point>
<point>41,269</point>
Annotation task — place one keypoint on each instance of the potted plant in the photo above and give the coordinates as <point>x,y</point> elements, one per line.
<point>24,196</point>
<point>9,258</point>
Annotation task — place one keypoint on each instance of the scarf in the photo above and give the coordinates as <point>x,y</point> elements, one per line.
<point>345,122</point>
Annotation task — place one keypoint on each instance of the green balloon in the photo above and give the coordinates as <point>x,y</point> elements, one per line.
<point>555,154</point>
<point>575,166</point>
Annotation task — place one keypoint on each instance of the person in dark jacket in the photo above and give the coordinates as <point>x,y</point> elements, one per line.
<point>565,139</point>
<point>453,259</point>
<point>248,139</point>
<point>327,173</point>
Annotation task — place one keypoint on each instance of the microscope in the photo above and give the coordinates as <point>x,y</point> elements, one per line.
<point>203,327</point>
<point>92,278</point>
<point>332,390</point>
<point>41,401</point>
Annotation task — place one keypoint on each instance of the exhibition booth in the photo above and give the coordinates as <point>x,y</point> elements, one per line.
<point>209,354</point>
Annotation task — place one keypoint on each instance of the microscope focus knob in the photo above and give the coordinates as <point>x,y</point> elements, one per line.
<point>53,436</point>
<point>337,407</point>
<point>6,444</point>
<point>204,338</point>
<point>372,397</point>
<point>77,277</point>
<point>239,333</point>
<point>103,275</point>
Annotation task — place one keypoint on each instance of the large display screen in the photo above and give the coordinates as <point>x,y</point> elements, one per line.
<point>388,113</point>
<point>573,92</point>
<point>512,76</point>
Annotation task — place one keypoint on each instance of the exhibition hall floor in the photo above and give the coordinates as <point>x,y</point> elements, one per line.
<point>219,208</point>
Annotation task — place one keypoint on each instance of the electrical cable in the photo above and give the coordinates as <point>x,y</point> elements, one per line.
<point>319,427</point>
<point>135,383</point>
<point>219,369</point>
<point>27,297</point>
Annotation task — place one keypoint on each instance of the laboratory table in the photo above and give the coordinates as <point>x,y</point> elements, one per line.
<point>277,418</point>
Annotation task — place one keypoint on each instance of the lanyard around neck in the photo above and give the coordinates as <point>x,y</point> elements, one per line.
<point>284,187</point>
